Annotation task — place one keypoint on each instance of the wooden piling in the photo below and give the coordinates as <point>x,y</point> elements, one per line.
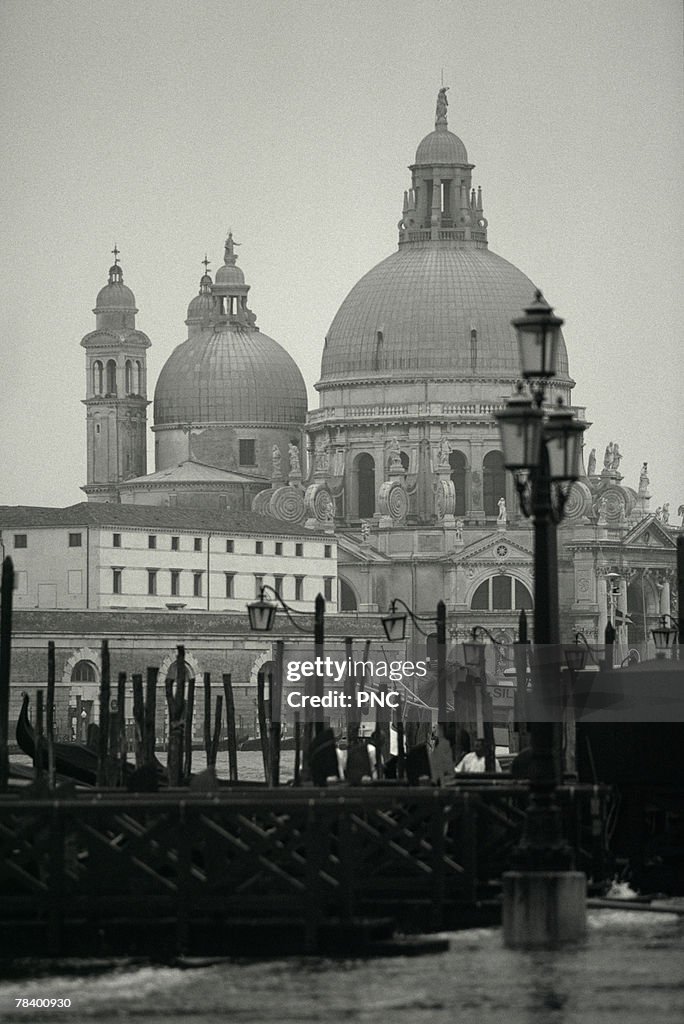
<point>207,714</point>
<point>40,739</point>
<point>187,730</point>
<point>176,705</point>
<point>50,715</point>
<point>139,720</point>
<point>6,592</point>
<point>263,726</point>
<point>103,735</point>
<point>216,736</point>
<point>298,747</point>
<point>121,744</point>
<point>401,745</point>
<point>230,723</point>
<point>150,716</point>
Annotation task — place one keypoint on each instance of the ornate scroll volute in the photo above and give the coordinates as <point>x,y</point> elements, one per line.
<point>319,507</point>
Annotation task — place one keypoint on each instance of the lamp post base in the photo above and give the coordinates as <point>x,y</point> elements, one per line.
<point>542,909</point>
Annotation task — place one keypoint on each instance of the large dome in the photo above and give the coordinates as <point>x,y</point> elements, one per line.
<point>414,313</point>
<point>230,375</point>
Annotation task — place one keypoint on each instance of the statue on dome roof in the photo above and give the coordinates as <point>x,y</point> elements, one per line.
<point>295,466</point>
<point>444,453</point>
<point>617,456</point>
<point>666,512</point>
<point>591,469</point>
<point>442,104</point>
<point>229,253</point>
<point>644,481</point>
<point>608,457</point>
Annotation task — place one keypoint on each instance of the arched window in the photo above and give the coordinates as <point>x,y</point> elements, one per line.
<point>139,385</point>
<point>129,377</point>
<point>457,461</point>
<point>111,377</point>
<point>84,672</point>
<point>379,342</point>
<point>365,485</point>
<point>494,482</point>
<point>501,593</point>
<point>97,377</point>
<point>404,461</point>
<point>347,597</point>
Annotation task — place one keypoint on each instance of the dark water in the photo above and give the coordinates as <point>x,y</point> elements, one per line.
<point>629,970</point>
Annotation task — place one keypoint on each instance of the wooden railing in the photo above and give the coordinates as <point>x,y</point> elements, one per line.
<point>74,871</point>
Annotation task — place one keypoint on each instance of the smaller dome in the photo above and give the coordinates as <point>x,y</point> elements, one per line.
<point>115,294</point>
<point>201,306</point>
<point>441,147</point>
<point>228,275</point>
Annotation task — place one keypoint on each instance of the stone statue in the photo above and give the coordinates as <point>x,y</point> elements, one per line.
<point>444,453</point>
<point>666,512</point>
<point>502,518</point>
<point>680,512</point>
<point>659,514</point>
<point>459,531</point>
<point>295,466</point>
<point>442,104</point>
<point>365,531</point>
<point>615,461</point>
<point>600,507</point>
<point>277,461</point>
<point>394,453</point>
<point>591,468</point>
<point>608,457</point>
<point>644,481</point>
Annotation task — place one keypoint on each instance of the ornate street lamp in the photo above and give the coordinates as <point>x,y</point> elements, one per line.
<point>262,615</point>
<point>394,624</point>
<point>664,636</point>
<point>542,450</point>
<point>576,655</point>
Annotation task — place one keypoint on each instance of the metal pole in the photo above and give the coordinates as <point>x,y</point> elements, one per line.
<point>680,592</point>
<point>441,663</point>
<point>542,846</point>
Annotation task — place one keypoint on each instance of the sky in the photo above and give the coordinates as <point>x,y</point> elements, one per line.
<point>158,126</point>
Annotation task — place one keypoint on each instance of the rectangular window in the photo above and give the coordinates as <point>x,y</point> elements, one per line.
<point>278,585</point>
<point>258,584</point>
<point>175,582</point>
<point>20,540</point>
<point>198,543</point>
<point>299,550</point>
<point>116,540</point>
<point>259,547</point>
<point>74,540</point>
<point>327,588</point>
<point>247,452</point>
<point>152,540</point>
<point>197,584</point>
<point>230,584</point>
<point>328,551</point>
<point>152,581</point>
<point>299,588</point>
<point>175,543</point>
<point>279,548</point>
<point>117,581</point>
<point>230,546</point>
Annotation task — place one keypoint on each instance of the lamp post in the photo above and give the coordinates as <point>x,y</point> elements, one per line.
<point>394,624</point>
<point>262,615</point>
<point>474,658</point>
<point>664,636</point>
<point>542,448</point>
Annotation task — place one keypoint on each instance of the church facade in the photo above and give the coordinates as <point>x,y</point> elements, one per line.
<point>401,461</point>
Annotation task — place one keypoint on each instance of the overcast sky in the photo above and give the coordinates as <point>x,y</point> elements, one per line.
<point>158,125</point>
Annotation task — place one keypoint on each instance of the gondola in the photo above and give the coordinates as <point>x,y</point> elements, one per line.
<point>75,760</point>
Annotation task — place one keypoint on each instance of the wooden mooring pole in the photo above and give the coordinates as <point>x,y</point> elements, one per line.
<point>187,730</point>
<point>6,589</point>
<point>176,706</point>
<point>275,694</point>
<point>263,726</point>
<point>50,715</point>
<point>121,745</point>
<point>230,724</point>
<point>150,716</point>
<point>103,735</point>
<point>138,719</point>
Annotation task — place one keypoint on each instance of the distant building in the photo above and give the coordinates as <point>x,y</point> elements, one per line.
<point>125,558</point>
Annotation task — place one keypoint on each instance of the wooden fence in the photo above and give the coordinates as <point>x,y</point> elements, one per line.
<point>177,872</point>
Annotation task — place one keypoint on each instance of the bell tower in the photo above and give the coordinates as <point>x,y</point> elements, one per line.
<point>116,391</point>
